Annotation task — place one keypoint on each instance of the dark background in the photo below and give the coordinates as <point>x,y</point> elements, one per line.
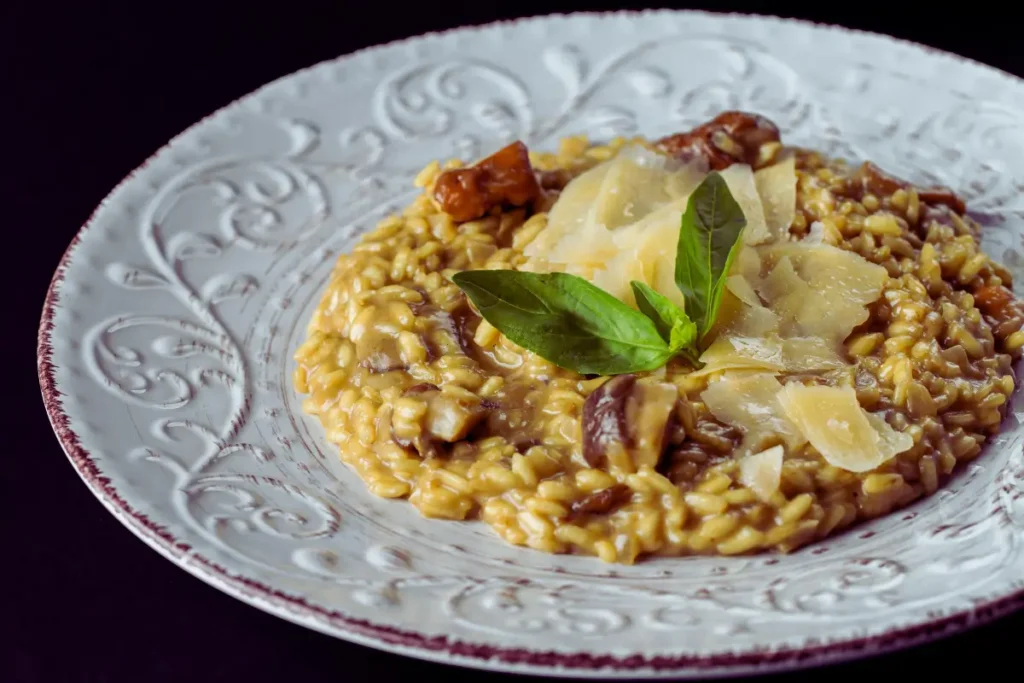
<point>87,92</point>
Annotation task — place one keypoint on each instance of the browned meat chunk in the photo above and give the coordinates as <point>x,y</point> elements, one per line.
<point>729,138</point>
<point>505,178</point>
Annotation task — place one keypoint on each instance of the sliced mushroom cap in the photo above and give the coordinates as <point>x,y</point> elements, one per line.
<point>604,418</point>
<point>630,414</point>
<point>448,418</point>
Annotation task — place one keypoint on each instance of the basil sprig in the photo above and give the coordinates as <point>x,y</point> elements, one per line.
<point>708,241</point>
<point>566,320</point>
<point>579,326</point>
<point>674,326</point>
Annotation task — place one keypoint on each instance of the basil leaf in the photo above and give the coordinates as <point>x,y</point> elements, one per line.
<point>566,320</point>
<point>708,241</point>
<point>674,326</point>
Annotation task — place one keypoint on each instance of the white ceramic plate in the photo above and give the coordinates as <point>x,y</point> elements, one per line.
<point>166,342</point>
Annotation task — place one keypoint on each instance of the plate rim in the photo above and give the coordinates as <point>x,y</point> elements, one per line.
<point>441,649</point>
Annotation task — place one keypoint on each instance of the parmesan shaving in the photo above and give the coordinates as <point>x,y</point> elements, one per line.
<point>813,294</point>
<point>819,290</point>
<point>798,354</point>
<point>776,186</point>
<point>739,286</point>
<point>847,436</point>
<point>891,443</point>
<point>647,412</point>
<point>741,353</point>
<point>569,214</point>
<point>748,400</point>
<point>650,259</point>
<point>810,354</point>
<point>590,247</point>
<point>762,472</point>
<point>639,182</point>
<point>740,180</point>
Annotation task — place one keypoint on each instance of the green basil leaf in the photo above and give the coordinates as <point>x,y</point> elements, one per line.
<point>566,320</point>
<point>708,242</point>
<point>674,326</point>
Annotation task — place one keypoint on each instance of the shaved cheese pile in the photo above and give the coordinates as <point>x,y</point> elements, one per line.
<point>581,230</point>
<point>748,401</point>
<point>647,253</point>
<point>762,472</point>
<point>619,221</point>
<point>796,316</point>
<point>846,435</point>
<point>819,290</point>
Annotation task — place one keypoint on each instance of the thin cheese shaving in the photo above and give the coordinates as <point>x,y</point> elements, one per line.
<point>740,180</point>
<point>739,286</point>
<point>638,183</point>
<point>813,294</point>
<point>570,212</point>
<point>846,435</point>
<point>819,290</point>
<point>748,400</point>
<point>762,472</point>
<point>650,259</point>
<point>619,221</point>
<point>776,185</point>
<point>741,353</point>
<point>810,354</point>
<point>591,247</point>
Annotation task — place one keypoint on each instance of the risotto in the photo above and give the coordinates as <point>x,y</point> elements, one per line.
<point>856,348</point>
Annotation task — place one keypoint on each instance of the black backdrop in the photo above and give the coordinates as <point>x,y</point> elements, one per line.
<point>87,91</point>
